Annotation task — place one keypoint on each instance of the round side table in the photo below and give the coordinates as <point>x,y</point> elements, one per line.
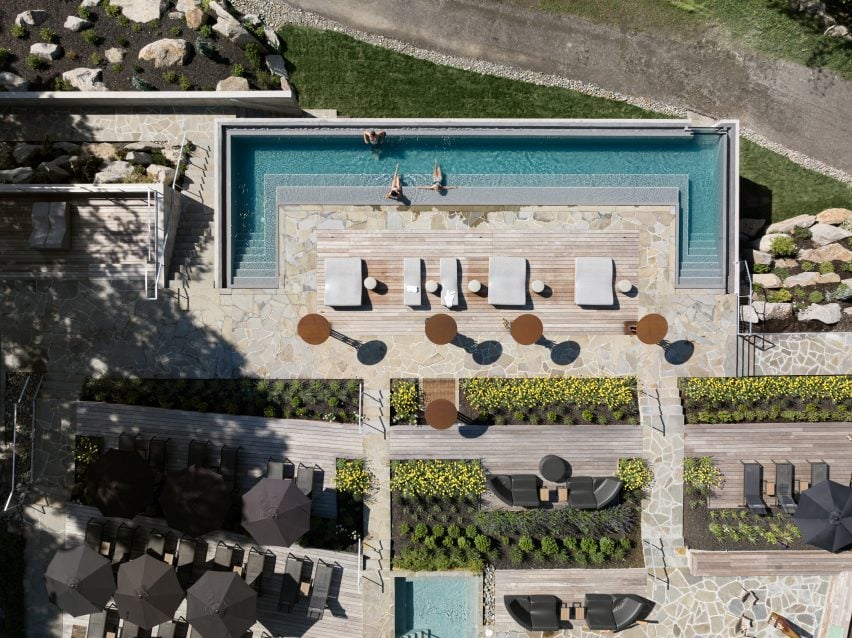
<point>527,329</point>
<point>554,469</point>
<point>441,329</point>
<point>314,329</point>
<point>474,285</point>
<point>431,286</point>
<point>537,286</point>
<point>370,283</point>
<point>625,286</point>
<point>441,414</point>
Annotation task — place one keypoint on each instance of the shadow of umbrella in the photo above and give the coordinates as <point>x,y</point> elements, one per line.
<point>565,352</point>
<point>195,500</point>
<point>120,484</point>
<point>679,352</point>
<point>372,352</point>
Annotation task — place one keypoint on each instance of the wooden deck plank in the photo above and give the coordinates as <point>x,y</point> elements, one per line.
<point>550,258</point>
<point>768,563</point>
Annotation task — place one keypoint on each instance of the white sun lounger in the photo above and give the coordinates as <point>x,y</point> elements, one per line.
<point>507,281</point>
<point>50,226</point>
<point>449,282</point>
<point>593,281</point>
<point>411,281</point>
<point>343,283</point>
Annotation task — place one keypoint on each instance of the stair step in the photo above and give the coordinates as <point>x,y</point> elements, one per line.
<point>261,270</point>
<point>255,282</point>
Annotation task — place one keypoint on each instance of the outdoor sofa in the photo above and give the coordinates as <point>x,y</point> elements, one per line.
<point>520,490</point>
<point>592,493</point>
<point>614,612</point>
<point>593,281</point>
<point>507,281</point>
<point>534,613</point>
<point>343,282</point>
<point>411,294</point>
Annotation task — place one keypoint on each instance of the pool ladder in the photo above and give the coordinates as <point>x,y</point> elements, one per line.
<point>417,633</point>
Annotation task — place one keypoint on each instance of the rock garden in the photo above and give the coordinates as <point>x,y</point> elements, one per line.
<point>802,272</point>
<point>144,45</point>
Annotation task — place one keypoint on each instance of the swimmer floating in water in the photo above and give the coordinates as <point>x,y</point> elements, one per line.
<point>373,138</point>
<point>395,191</point>
<point>437,181</point>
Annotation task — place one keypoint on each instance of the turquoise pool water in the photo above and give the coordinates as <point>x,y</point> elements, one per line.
<point>260,162</point>
<point>443,606</point>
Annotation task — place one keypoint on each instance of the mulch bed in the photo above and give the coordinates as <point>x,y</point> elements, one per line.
<point>201,72</point>
<point>696,533</point>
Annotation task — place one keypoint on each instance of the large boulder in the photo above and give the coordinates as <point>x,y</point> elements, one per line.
<point>822,234</point>
<point>139,157</point>
<point>229,27</point>
<point>786,263</point>
<point>141,10</point>
<point>26,153</point>
<point>186,5</point>
<point>161,173</point>
<point>20,175</point>
<point>12,82</point>
<point>829,278</point>
<point>769,311</point>
<point>276,66</point>
<point>56,170</point>
<point>826,313</point>
<point>165,52</point>
<point>101,150</point>
<point>834,216</point>
<point>802,279</point>
<point>749,227</point>
<point>194,17</point>
<point>84,79</point>
<point>787,225</point>
<point>768,281</point>
<point>69,148</point>
<point>73,23</point>
<point>765,242</point>
<point>115,55</point>
<point>232,83</point>
<point>760,257</point>
<point>31,18</point>
<point>272,38</point>
<point>90,4</point>
<point>831,252</point>
<point>141,146</point>
<point>7,160</point>
<point>46,51</point>
<point>117,171</point>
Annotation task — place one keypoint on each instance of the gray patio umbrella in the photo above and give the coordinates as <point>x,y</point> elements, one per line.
<point>120,483</point>
<point>221,605</point>
<point>79,581</point>
<point>824,516</point>
<point>276,512</point>
<point>148,591</point>
<point>195,500</point>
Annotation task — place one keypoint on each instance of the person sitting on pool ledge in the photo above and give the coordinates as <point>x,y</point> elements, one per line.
<point>372,138</point>
<point>437,180</point>
<point>395,191</point>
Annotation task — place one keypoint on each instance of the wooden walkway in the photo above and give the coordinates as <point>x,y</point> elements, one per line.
<point>590,449</point>
<point>344,616</point>
<point>108,238</point>
<point>550,257</point>
<point>307,442</point>
<point>766,443</point>
<point>768,563</point>
<point>569,585</point>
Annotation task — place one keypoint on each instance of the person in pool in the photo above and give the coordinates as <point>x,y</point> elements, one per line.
<point>373,138</point>
<point>437,180</point>
<point>395,191</point>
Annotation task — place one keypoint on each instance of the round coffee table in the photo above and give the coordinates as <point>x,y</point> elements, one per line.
<point>554,469</point>
<point>441,329</point>
<point>527,329</point>
<point>314,329</point>
<point>652,329</point>
<point>441,414</point>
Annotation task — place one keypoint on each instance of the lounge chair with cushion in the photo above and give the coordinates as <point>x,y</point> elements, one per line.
<point>97,625</point>
<point>784,477</point>
<point>320,589</point>
<point>343,282</point>
<point>593,281</point>
<point>819,473</point>
<point>752,488</point>
<point>156,545</point>
<point>254,568</point>
<point>197,453</point>
<point>173,629</point>
<point>592,493</point>
<point>507,281</point>
<point>291,582</point>
<point>126,442</point>
<point>450,282</point>
<point>94,534</point>
<point>411,294</point>
<point>185,561</point>
<point>123,544</point>
<point>228,466</point>
<point>305,479</point>
<point>615,612</point>
<point>274,469</point>
<point>534,613</point>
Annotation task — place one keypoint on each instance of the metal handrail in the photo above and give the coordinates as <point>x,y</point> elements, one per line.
<point>15,442</point>
<point>360,407</point>
<point>750,297</point>
<point>360,560</point>
<point>33,428</point>
<point>180,157</point>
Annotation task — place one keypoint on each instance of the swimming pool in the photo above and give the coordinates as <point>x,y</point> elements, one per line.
<point>529,167</point>
<point>437,606</point>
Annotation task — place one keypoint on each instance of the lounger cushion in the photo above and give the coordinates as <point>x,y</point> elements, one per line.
<point>449,282</point>
<point>412,295</point>
<point>343,283</point>
<point>593,281</point>
<point>507,281</point>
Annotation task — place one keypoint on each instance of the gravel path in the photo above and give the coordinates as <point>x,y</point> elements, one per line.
<point>277,12</point>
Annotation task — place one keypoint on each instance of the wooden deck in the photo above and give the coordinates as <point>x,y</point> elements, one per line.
<point>108,238</point>
<point>569,585</point>
<point>344,616</point>
<point>308,442</point>
<point>550,257</point>
<point>838,606</point>
<point>768,563</point>
<point>766,443</point>
<point>590,449</point>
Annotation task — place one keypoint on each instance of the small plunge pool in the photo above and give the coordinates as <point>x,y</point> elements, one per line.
<point>437,606</point>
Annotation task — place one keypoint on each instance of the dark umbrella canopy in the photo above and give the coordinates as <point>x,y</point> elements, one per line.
<point>824,516</point>
<point>221,605</point>
<point>79,581</point>
<point>121,483</point>
<point>195,500</point>
<point>148,591</point>
<point>276,512</point>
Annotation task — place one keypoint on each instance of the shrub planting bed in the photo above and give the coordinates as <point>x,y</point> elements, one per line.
<point>738,529</point>
<point>550,400</point>
<point>766,399</point>
<point>320,399</point>
<point>406,402</point>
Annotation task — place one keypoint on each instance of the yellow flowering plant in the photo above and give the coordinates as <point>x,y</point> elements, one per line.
<point>353,477</point>
<point>492,394</point>
<point>634,473</point>
<point>405,401</point>
<point>438,477</point>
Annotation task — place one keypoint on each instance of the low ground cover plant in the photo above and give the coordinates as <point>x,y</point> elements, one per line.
<point>536,400</point>
<point>320,399</point>
<point>701,475</point>
<point>767,399</point>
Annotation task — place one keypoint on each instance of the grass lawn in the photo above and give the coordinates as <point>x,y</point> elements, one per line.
<point>333,71</point>
<point>762,25</point>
